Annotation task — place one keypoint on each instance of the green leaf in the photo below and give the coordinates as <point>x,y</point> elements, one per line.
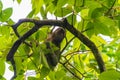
<point>59,74</point>
<point>110,75</point>
<point>76,46</point>
<point>32,78</point>
<point>55,2</point>
<point>67,78</point>
<point>109,2</point>
<point>92,4</point>
<point>79,3</point>
<point>52,75</point>
<point>51,8</point>
<point>30,64</point>
<point>43,13</point>
<point>30,15</point>
<point>2,67</point>
<point>44,72</point>
<point>37,4</point>
<point>5,31</point>
<point>71,19</point>
<point>2,78</point>
<point>10,22</point>
<point>71,2</point>
<point>61,12</point>
<point>107,21</point>
<point>48,1</point>
<point>61,3</point>
<point>110,25</point>
<point>43,60</point>
<point>90,27</point>
<point>19,1</point>
<point>78,62</point>
<point>40,35</point>
<point>21,50</point>
<point>84,13</point>
<point>101,28</point>
<point>1,6</point>
<point>3,43</point>
<point>18,63</point>
<point>97,12</point>
<point>5,14</point>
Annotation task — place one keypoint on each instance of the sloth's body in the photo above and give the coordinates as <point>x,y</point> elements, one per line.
<point>55,38</point>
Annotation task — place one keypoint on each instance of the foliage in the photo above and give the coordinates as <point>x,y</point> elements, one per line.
<point>96,19</point>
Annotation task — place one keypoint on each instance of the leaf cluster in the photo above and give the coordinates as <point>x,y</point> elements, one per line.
<point>96,19</point>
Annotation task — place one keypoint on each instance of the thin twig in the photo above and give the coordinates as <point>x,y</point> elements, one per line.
<point>71,72</point>
<point>76,52</point>
<point>110,8</point>
<point>66,44</point>
<point>72,65</point>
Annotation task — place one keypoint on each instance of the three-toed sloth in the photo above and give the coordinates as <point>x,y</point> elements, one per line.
<point>55,38</point>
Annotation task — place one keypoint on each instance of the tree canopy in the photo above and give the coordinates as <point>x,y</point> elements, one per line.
<point>86,53</point>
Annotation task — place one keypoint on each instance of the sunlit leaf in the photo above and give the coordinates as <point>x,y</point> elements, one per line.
<point>92,4</point>
<point>84,13</point>
<point>110,75</point>
<point>101,28</point>
<point>2,67</point>
<point>30,15</point>
<point>47,1</point>
<point>59,74</point>
<point>37,4</point>
<point>71,2</point>
<point>19,1</point>
<point>44,60</point>
<point>61,3</point>
<point>88,17</point>
<point>61,12</point>
<point>5,14</point>
<point>10,22</point>
<point>52,75</point>
<point>18,62</point>
<point>119,1</point>
<point>107,21</point>
<point>66,78</point>
<point>76,46</point>
<point>1,6</point>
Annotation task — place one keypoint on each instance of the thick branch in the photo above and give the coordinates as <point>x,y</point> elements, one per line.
<point>38,22</point>
<point>62,23</point>
<point>88,43</point>
<point>19,41</point>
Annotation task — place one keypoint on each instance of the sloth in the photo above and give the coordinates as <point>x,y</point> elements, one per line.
<point>55,38</point>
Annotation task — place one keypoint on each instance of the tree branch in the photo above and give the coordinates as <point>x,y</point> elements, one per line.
<point>62,23</point>
<point>19,41</point>
<point>88,43</point>
<point>109,10</point>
